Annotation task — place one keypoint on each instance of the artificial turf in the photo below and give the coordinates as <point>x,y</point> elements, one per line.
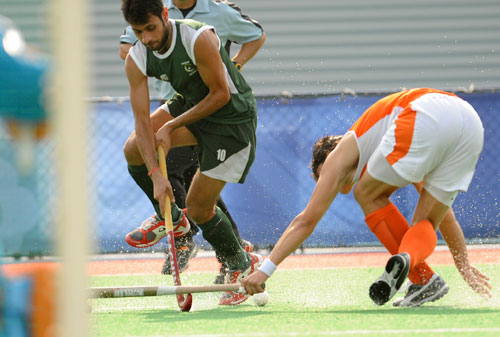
<point>313,302</point>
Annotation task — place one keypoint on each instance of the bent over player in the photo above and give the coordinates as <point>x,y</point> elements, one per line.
<point>219,115</point>
<point>407,137</point>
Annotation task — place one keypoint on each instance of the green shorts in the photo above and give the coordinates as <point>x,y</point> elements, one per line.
<point>227,151</point>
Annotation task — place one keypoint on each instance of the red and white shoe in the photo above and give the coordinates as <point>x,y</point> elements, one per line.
<point>247,245</point>
<point>153,229</point>
<point>219,279</point>
<point>235,276</point>
<point>182,226</point>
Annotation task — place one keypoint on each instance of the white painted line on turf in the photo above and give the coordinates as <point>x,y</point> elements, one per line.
<point>350,332</point>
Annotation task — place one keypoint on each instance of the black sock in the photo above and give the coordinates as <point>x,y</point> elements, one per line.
<point>219,233</point>
<point>222,205</point>
<point>176,211</point>
<point>140,175</point>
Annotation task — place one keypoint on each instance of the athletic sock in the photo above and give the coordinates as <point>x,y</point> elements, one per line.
<point>140,175</point>
<point>419,241</point>
<point>176,212</point>
<point>222,205</point>
<point>390,226</point>
<point>219,233</point>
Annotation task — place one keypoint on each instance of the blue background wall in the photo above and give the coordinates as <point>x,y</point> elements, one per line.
<point>280,185</point>
<point>277,188</point>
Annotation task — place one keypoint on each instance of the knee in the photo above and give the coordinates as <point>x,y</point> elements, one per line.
<point>131,152</point>
<point>198,212</point>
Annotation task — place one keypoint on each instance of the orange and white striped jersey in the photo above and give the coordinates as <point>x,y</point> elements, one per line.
<point>387,113</point>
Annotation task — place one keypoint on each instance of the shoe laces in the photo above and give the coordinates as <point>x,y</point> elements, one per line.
<point>150,222</point>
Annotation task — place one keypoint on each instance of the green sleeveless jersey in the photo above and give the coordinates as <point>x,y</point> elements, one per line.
<point>178,66</point>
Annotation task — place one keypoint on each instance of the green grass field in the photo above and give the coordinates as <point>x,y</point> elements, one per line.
<point>326,302</point>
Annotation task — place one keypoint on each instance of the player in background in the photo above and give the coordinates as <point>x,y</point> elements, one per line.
<point>213,108</point>
<point>232,26</point>
<point>423,136</point>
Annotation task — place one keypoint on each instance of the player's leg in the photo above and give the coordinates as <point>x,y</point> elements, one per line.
<point>406,153</point>
<point>179,161</point>
<point>153,228</point>
<point>435,288</point>
<point>419,242</point>
<point>425,144</point>
<point>389,225</point>
<point>223,269</point>
<point>421,239</point>
<point>182,164</point>
<point>247,245</point>
<point>188,174</point>
<point>136,167</point>
<point>217,230</point>
<point>458,132</point>
<point>244,243</point>
<point>226,154</point>
<point>382,216</point>
<point>455,134</point>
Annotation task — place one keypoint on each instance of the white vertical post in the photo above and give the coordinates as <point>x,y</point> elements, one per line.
<point>69,116</point>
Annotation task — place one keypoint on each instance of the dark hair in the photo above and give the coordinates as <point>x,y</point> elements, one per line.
<point>139,11</point>
<point>321,149</point>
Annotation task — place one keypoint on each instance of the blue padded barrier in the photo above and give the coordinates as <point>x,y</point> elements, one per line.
<point>277,188</point>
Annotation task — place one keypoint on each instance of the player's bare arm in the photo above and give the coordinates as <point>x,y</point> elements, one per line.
<point>212,72</point>
<point>454,237</point>
<point>248,50</point>
<point>123,50</point>
<point>336,173</point>
<point>139,99</point>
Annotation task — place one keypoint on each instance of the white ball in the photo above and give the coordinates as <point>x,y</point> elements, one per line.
<point>261,299</point>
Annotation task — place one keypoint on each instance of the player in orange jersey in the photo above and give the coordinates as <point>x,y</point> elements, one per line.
<point>423,136</point>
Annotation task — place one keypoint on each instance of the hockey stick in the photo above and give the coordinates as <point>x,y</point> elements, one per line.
<point>141,291</point>
<point>184,303</point>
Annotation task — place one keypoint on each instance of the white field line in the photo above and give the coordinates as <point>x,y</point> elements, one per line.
<point>350,332</point>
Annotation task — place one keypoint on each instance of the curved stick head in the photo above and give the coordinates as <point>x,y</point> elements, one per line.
<point>184,303</point>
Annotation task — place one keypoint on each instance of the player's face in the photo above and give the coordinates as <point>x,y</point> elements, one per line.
<point>153,34</point>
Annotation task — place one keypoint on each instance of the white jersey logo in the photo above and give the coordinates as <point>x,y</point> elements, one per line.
<point>189,67</point>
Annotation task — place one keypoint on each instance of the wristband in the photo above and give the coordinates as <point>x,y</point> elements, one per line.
<point>237,65</point>
<point>150,173</point>
<point>268,267</point>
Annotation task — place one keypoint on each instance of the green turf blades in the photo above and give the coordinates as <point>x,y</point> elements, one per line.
<point>303,303</point>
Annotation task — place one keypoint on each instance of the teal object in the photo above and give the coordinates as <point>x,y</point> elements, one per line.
<point>3,333</point>
<point>22,80</point>
<point>16,307</point>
